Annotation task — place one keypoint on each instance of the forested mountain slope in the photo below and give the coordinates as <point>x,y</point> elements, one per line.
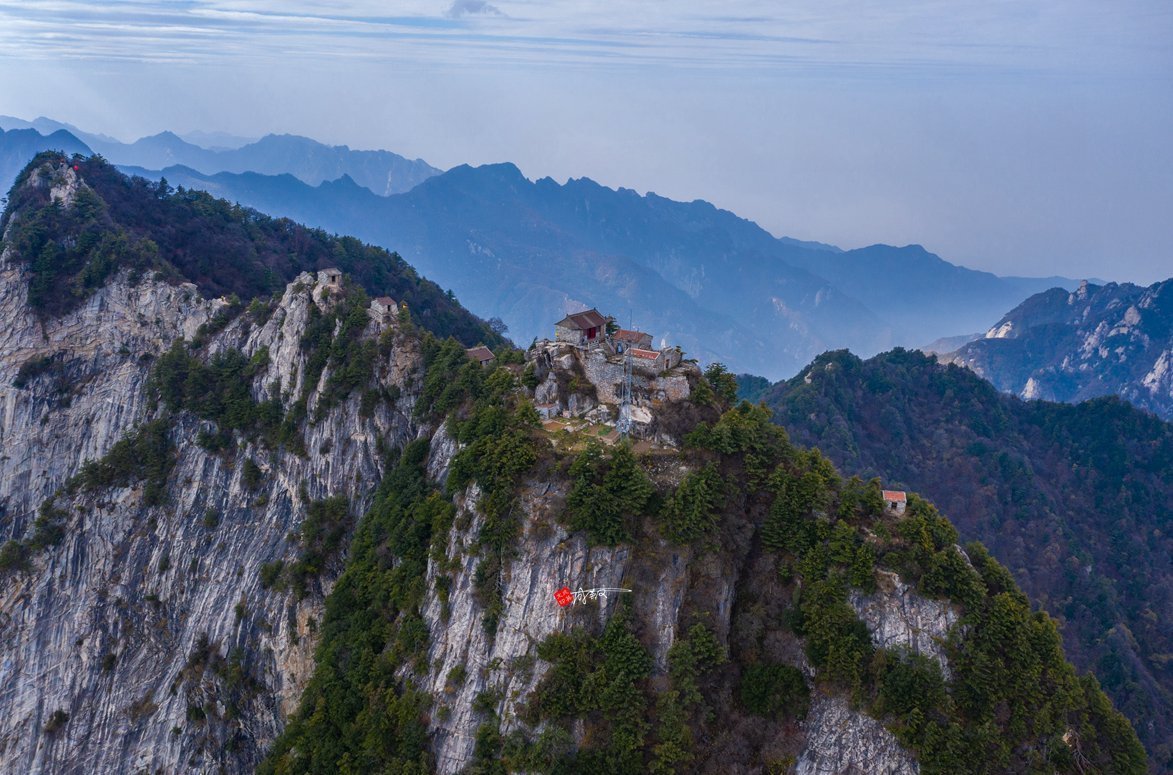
<point>306,535</point>
<point>1075,500</point>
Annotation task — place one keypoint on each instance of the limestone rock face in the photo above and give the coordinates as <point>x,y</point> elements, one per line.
<point>546,560</point>
<point>842,741</point>
<point>148,625</point>
<point>898,617</point>
<point>441,450</point>
<point>91,391</point>
<point>547,391</point>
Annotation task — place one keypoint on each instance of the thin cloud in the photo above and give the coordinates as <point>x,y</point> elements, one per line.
<point>472,7</point>
<point>832,36</point>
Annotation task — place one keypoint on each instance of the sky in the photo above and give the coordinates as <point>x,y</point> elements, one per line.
<point>1028,137</point>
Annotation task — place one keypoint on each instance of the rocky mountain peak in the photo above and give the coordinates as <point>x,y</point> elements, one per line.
<point>298,529</point>
<point>1098,340</point>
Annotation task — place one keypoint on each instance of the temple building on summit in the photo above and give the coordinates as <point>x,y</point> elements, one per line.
<point>592,369</point>
<point>581,328</point>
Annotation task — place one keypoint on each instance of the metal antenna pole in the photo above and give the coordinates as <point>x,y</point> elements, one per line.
<point>624,424</point>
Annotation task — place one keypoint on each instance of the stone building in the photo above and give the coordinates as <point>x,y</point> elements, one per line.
<point>648,361</point>
<point>894,501</point>
<point>384,307</point>
<point>583,329</point>
<point>654,362</point>
<point>625,338</point>
<point>331,276</point>
<point>481,354</point>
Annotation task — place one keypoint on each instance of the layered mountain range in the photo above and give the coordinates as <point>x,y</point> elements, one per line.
<point>253,520</point>
<point>382,172</point>
<point>722,287</point>
<point>691,273</point>
<point>1076,500</point>
<point>1113,339</point>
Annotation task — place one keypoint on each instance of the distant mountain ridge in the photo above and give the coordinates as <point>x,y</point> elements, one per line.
<point>383,172</point>
<point>1113,339</point>
<point>911,286</point>
<point>530,251</point>
<point>691,273</point>
<point>223,141</point>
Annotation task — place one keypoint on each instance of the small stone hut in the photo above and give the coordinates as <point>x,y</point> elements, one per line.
<point>481,354</point>
<point>894,501</point>
<point>648,361</point>
<point>384,307</point>
<point>624,338</point>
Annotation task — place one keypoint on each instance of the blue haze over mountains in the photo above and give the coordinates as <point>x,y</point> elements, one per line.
<point>528,251</point>
<point>382,172</point>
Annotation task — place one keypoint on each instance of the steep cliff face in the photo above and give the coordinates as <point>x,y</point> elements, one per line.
<point>545,561</point>
<point>834,738</point>
<point>897,617</point>
<point>90,368</point>
<point>149,625</point>
<point>841,740</point>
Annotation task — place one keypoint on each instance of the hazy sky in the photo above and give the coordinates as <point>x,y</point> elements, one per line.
<point>1019,136</point>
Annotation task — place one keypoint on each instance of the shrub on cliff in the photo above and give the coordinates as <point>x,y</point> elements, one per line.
<point>608,494</point>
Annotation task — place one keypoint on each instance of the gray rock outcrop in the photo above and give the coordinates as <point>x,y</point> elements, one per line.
<point>148,625</point>
<point>843,741</point>
<point>899,618</point>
